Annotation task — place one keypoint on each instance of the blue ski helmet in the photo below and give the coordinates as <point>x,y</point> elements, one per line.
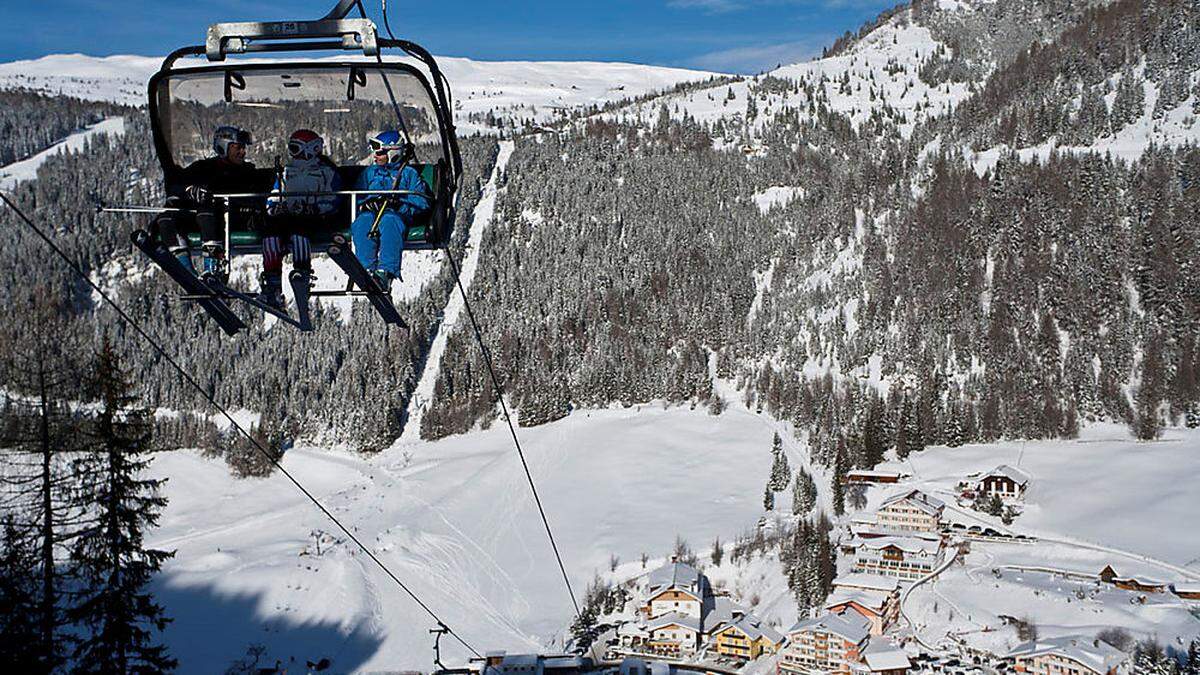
<point>225,136</point>
<point>393,143</point>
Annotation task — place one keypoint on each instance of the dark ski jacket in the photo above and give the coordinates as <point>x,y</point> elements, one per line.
<point>218,176</point>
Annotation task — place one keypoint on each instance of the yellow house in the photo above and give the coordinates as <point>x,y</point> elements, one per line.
<point>746,638</point>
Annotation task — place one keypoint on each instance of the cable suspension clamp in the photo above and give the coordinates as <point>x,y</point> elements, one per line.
<point>276,36</point>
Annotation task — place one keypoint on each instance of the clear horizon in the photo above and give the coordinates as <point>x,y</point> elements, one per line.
<point>737,36</point>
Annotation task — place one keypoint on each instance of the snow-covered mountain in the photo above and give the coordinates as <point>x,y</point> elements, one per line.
<point>533,90</point>
<point>891,215</point>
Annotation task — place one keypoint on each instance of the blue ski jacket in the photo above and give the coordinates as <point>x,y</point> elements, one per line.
<point>383,177</point>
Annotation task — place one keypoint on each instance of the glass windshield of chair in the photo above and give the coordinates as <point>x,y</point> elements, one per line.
<point>344,105</point>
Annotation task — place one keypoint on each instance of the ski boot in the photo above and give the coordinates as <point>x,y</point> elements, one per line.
<point>383,280</point>
<point>272,289</point>
<point>184,256</point>
<point>214,264</point>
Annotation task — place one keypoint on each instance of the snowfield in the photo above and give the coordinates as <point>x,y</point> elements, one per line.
<point>27,169</point>
<point>512,89</point>
<point>455,520</point>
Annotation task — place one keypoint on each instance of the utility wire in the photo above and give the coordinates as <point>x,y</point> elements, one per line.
<point>195,385</point>
<point>487,357</point>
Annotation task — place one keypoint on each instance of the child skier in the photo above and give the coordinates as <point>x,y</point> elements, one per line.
<point>292,218</point>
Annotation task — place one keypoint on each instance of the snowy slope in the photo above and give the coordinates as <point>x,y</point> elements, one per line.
<point>26,169</point>
<point>454,519</point>
<point>880,70</point>
<point>524,89</point>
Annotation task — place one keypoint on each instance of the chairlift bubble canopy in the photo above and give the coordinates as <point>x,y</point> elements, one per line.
<point>345,100</point>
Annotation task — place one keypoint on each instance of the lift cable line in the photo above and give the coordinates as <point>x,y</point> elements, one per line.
<point>487,357</point>
<point>195,385</point>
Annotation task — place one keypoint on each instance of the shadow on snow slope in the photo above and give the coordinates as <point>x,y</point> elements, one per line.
<point>213,629</point>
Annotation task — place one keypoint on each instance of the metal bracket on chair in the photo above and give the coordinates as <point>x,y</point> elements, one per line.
<point>277,36</point>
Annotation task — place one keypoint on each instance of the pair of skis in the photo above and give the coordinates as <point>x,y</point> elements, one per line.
<point>211,293</point>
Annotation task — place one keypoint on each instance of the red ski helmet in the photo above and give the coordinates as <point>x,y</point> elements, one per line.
<point>305,144</point>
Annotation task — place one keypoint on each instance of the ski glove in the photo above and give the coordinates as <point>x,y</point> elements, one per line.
<point>199,195</point>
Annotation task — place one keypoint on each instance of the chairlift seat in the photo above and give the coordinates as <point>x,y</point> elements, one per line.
<point>419,235</point>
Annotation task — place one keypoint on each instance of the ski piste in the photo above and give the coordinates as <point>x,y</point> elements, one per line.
<point>340,254</point>
<point>195,288</point>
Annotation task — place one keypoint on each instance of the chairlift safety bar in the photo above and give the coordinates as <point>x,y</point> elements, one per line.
<point>273,36</point>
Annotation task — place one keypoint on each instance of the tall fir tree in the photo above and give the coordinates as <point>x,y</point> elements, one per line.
<point>781,473</point>
<point>114,606</point>
<point>19,629</point>
<point>1149,395</point>
<point>804,493</point>
<point>39,434</point>
<point>838,484</point>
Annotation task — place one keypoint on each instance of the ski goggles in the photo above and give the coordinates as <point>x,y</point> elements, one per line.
<point>305,149</point>
<point>379,147</point>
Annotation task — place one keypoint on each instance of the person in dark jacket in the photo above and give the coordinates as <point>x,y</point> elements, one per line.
<point>378,230</point>
<point>192,193</point>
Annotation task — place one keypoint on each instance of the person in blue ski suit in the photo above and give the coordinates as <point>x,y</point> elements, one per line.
<point>380,251</point>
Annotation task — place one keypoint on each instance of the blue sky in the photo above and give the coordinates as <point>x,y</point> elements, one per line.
<point>724,35</point>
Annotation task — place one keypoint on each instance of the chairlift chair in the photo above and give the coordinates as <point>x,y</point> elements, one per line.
<point>343,99</point>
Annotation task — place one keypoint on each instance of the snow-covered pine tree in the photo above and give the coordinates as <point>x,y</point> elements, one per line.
<point>781,473</point>
<point>804,493</point>
<point>583,628</point>
<point>838,486</point>
<point>1192,665</point>
<point>114,608</point>
<point>1149,393</point>
<point>769,498</point>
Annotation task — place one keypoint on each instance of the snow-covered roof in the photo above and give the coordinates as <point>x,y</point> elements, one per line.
<point>719,611</point>
<point>884,654</point>
<point>921,500</point>
<point>755,628</point>
<point>873,600</point>
<point>906,544</point>
<point>872,473</point>
<point>632,628</point>
<point>674,619</point>
<point>1095,654</point>
<point>852,626</point>
<point>870,582</point>
<point>1005,471</point>
<point>676,575</point>
<point>1186,588</point>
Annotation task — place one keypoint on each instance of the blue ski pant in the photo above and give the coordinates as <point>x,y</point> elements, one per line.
<point>383,253</point>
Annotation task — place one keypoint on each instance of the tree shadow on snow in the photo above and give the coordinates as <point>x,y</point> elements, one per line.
<point>213,630</point>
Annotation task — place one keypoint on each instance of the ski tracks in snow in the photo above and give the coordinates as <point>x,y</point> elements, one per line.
<point>484,212</point>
